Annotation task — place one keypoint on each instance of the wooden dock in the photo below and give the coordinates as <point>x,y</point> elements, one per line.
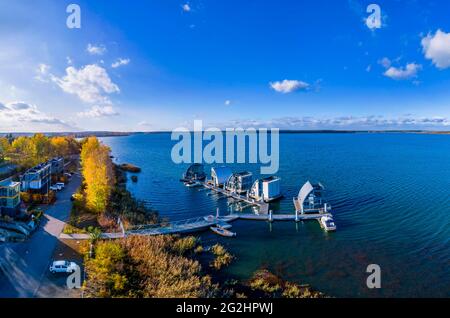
<point>263,206</point>
<point>198,224</point>
<point>183,226</point>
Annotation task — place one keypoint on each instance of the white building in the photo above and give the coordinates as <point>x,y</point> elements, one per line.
<point>267,189</point>
<point>240,182</point>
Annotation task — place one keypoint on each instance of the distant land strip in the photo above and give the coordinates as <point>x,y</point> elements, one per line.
<point>84,134</point>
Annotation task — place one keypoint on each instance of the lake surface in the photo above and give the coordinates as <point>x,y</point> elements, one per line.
<point>390,196</point>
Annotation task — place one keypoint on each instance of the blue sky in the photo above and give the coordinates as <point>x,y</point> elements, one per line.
<point>158,65</point>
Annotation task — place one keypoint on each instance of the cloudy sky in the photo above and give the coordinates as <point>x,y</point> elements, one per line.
<point>158,65</point>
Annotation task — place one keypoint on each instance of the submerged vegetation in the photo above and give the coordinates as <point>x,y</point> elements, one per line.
<point>222,257</point>
<point>130,168</point>
<point>265,284</point>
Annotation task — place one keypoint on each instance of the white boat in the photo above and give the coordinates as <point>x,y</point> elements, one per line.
<point>192,184</point>
<point>222,232</point>
<point>327,223</point>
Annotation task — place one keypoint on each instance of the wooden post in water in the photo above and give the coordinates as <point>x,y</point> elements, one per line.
<point>270,216</point>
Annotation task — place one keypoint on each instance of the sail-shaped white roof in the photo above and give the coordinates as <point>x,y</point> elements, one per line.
<point>304,192</point>
<point>222,174</point>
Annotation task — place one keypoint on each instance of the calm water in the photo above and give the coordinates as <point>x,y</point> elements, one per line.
<point>390,195</point>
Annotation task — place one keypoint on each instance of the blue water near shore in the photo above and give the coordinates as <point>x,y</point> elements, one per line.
<point>390,195</point>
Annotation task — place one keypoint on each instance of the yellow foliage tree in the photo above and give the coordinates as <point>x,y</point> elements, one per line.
<point>4,148</point>
<point>60,146</point>
<point>98,174</point>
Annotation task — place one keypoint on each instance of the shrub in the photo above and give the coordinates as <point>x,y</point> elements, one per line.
<point>141,266</point>
<point>222,257</point>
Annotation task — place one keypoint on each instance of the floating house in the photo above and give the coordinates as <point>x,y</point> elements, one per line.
<point>310,199</point>
<point>240,182</point>
<point>220,176</point>
<point>57,165</point>
<point>195,172</point>
<point>37,178</point>
<point>9,197</point>
<point>267,189</point>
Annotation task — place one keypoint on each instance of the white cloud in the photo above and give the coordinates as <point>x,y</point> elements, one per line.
<point>437,48</point>
<point>42,73</point>
<point>289,86</point>
<point>186,7</point>
<point>385,62</point>
<point>90,83</point>
<point>403,73</point>
<point>144,123</point>
<point>120,62</point>
<point>22,114</point>
<point>99,111</point>
<point>96,49</point>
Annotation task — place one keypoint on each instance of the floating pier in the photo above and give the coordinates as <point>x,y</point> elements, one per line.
<point>263,206</point>
<point>204,223</point>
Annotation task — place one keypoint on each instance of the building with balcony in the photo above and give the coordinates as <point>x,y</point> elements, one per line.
<point>57,165</point>
<point>37,178</point>
<point>9,197</point>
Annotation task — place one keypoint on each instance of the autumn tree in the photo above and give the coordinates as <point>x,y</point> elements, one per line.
<point>98,174</point>
<point>21,152</point>
<point>60,146</point>
<point>4,148</point>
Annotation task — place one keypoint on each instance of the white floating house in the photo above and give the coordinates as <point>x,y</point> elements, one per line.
<point>240,182</point>
<point>267,189</point>
<point>220,176</point>
<point>310,200</point>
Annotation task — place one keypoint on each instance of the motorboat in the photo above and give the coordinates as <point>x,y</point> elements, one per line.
<point>327,223</point>
<point>219,230</point>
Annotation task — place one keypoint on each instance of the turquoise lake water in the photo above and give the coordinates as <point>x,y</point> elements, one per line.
<point>390,196</point>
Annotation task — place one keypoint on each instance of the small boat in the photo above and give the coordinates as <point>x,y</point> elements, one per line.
<point>222,232</point>
<point>192,184</point>
<point>327,223</point>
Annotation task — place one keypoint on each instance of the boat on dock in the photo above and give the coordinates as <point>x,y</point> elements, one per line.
<point>220,230</point>
<point>192,184</point>
<point>327,223</point>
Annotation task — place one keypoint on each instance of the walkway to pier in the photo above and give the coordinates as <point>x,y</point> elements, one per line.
<point>197,225</point>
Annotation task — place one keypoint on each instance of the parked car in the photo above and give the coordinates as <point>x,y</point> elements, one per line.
<point>61,185</point>
<point>55,188</point>
<point>63,267</point>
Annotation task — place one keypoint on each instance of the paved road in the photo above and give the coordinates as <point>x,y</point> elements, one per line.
<point>23,266</point>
